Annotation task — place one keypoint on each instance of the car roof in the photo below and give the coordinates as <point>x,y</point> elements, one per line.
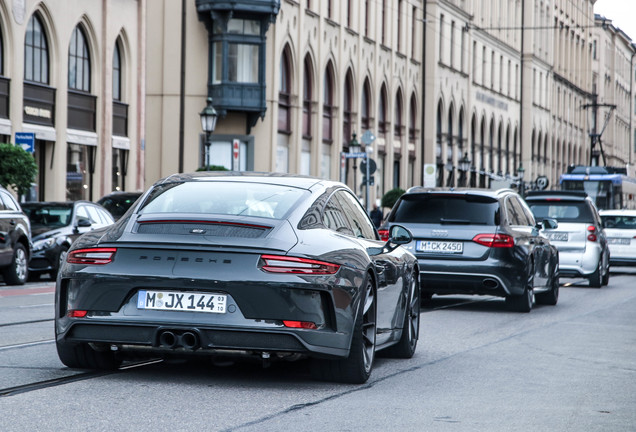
<point>494,193</point>
<point>283,179</point>
<point>617,212</point>
<point>54,203</point>
<point>556,195</point>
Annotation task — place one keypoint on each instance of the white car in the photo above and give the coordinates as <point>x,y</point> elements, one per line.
<point>620,228</point>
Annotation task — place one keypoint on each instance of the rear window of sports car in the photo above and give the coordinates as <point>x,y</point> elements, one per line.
<point>223,198</point>
<point>447,209</point>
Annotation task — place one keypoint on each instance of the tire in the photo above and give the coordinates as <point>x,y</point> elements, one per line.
<point>606,276</point>
<point>60,260</point>
<point>551,297</point>
<point>595,278</point>
<point>82,356</point>
<point>523,302</point>
<point>17,273</point>
<point>405,347</point>
<point>356,368</point>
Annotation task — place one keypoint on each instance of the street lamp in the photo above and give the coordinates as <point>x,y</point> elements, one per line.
<point>354,147</point>
<point>464,166</point>
<point>208,123</point>
<point>522,186</point>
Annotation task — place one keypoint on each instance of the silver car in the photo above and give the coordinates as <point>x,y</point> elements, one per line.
<point>620,227</point>
<point>579,237</point>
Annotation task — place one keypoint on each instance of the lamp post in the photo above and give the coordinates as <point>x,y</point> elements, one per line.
<point>464,166</point>
<point>522,186</point>
<point>354,147</point>
<point>208,123</point>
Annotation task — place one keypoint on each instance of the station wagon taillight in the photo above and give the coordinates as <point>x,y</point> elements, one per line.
<point>96,256</point>
<point>288,264</point>
<point>494,240</point>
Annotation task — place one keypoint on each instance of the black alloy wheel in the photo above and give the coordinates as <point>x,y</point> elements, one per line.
<point>355,369</point>
<point>405,347</point>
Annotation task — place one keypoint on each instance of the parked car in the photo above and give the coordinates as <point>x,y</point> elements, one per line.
<point>620,228</point>
<point>266,265</point>
<point>55,226</point>
<point>118,203</point>
<point>15,240</point>
<point>580,237</point>
<point>483,242</point>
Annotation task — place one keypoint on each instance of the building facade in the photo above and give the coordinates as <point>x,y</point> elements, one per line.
<point>450,92</point>
<point>71,74</point>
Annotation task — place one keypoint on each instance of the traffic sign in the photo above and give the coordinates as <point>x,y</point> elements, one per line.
<point>26,140</point>
<point>355,155</point>
<point>542,182</point>
<point>372,166</point>
<point>367,137</point>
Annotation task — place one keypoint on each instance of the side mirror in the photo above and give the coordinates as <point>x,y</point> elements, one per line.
<point>83,222</point>
<point>549,223</point>
<point>400,235</point>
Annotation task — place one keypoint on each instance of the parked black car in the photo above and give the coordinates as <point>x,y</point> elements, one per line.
<point>474,241</point>
<point>55,226</point>
<point>269,266</point>
<point>118,203</point>
<point>15,240</point>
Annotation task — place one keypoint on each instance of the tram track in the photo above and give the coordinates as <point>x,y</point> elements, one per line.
<point>81,376</point>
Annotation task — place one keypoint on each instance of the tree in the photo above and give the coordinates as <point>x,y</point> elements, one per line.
<point>389,199</point>
<point>17,168</point>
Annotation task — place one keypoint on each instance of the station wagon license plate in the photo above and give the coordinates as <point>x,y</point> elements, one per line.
<point>181,301</point>
<point>558,236</point>
<point>619,241</point>
<point>429,246</point>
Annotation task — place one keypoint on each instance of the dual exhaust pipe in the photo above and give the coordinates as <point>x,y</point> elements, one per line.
<point>188,339</point>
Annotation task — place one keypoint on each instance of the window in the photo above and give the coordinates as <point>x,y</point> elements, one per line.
<point>307,95</point>
<point>398,115</point>
<point>1,54</point>
<point>413,119</point>
<point>79,62</point>
<point>347,114</point>
<point>242,58</point>
<point>36,52</point>
<point>284,94</point>
<point>357,217</point>
<point>382,112</point>
<point>399,25</point>
<point>327,110</point>
<point>116,73</point>
<point>365,106</point>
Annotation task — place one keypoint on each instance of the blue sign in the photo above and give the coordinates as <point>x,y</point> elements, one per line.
<point>355,155</point>
<point>26,140</point>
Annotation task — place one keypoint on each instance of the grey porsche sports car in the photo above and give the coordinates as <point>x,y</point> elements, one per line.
<point>268,265</point>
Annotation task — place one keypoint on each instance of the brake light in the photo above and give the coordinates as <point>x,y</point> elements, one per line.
<point>288,264</point>
<point>77,313</point>
<point>97,256</point>
<point>494,240</point>
<point>384,234</point>
<point>300,324</point>
<point>592,233</point>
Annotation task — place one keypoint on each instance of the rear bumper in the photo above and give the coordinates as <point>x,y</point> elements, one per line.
<point>580,263</point>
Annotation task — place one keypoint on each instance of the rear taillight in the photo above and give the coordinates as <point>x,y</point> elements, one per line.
<point>95,256</point>
<point>300,324</point>
<point>494,240</point>
<point>384,234</point>
<point>287,264</point>
<point>77,313</point>
<point>592,233</point>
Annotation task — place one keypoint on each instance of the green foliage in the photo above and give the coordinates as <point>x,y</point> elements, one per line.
<point>17,168</point>
<point>389,198</point>
<point>213,168</point>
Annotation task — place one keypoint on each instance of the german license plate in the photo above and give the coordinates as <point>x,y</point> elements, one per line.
<point>181,301</point>
<point>558,236</point>
<point>431,246</point>
<point>619,241</point>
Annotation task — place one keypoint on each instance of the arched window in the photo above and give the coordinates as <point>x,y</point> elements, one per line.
<point>1,54</point>
<point>307,97</point>
<point>79,62</point>
<point>36,52</point>
<point>347,115</point>
<point>438,146</point>
<point>499,150</point>
<point>366,106</point>
<point>382,112</point>
<point>413,119</point>
<point>327,108</point>
<point>397,126</point>
<point>284,94</point>
<point>117,72</point>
